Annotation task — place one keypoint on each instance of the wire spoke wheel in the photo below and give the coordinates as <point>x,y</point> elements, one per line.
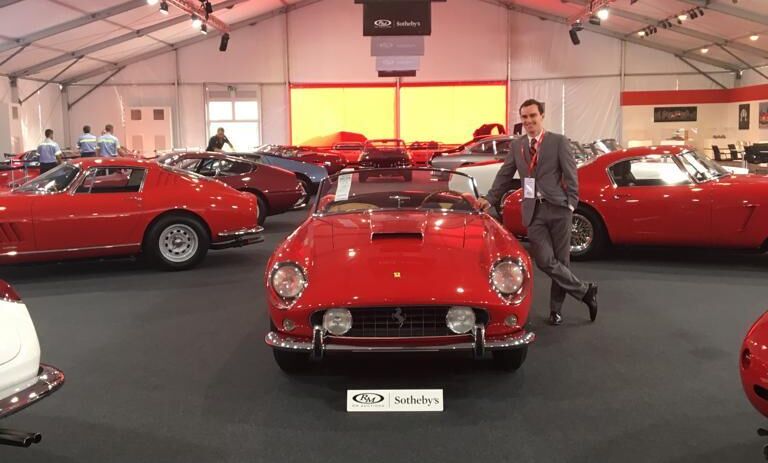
<point>582,234</point>
<point>178,243</point>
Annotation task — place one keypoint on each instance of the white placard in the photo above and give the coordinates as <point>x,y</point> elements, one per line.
<point>395,400</point>
<point>343,184</point>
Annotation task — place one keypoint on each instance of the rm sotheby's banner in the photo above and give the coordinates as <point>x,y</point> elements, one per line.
<point>395,400</point>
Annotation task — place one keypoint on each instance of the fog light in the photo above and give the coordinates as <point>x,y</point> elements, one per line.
<point>288,325</point>
<point>460,320</point>
<point>511,321</point>
<point>337,321</point>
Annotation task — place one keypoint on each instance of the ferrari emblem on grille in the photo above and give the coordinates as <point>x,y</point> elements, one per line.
<point>399,317</point>
<point>396,274</point>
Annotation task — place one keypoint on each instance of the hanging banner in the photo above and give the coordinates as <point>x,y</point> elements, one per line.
<point>399,17</point>
<point>397,46</point>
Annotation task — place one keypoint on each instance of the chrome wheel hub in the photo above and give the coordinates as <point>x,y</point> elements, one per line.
<point>178,243</point>
<point>582,234</point>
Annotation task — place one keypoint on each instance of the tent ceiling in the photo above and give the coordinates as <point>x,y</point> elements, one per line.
<point>119,33</point>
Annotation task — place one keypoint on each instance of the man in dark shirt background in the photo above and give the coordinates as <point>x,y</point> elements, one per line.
<point>216,143</point>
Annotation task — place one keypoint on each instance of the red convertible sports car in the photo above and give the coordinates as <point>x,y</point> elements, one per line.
<point>660,196</point>
<point>277,190</point>
<point>753,366</point>
<point>118,206</point>
<point>398,243</point>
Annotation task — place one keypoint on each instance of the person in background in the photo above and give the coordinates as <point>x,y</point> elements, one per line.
<point>87,143</point>
<point>109,145</point>
<point>216,143</point>
<point>49,152</point>
<point>550,195</point>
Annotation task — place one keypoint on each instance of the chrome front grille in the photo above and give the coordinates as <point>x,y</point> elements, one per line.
<point>399,322</point>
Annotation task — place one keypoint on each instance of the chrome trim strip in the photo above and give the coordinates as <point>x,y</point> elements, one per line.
<point>241,232</point>
<point>111,246</point>
<point>283,341</point>
<point>48,380</point>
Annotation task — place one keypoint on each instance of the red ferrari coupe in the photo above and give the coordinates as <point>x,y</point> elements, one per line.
<point>660,196</point>
<point>398,244</point>
<point>277,190</point>
<point>753,367</point>
<point>118,206</point>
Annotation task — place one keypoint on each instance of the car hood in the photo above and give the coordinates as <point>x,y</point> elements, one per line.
<point>401,257</point>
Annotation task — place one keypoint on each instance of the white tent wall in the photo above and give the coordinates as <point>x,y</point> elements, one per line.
<point>43,110</point>
<point>750,77</point>
<point>325,45</point>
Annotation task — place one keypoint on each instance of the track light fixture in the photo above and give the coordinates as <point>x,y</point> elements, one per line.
<point>204,29</point>
<point>224,42</point>
<point>197,23</point>
<point>603,13</point>
<point>163,7</point>
<point>151,2</point>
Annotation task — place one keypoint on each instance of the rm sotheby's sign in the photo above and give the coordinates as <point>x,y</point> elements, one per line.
<point>395,400</point>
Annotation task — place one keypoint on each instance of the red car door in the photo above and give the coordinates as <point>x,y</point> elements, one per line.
<point>653,201</point>
<point>104,210</point>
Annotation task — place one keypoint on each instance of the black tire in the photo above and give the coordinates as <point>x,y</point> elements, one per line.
<point>586,221</point>
<point>510,359</point>
<point>306,184</point>
<point>168,227</point>
<point>263,210</point>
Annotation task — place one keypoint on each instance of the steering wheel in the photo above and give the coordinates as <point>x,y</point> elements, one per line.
<point>451,196</point>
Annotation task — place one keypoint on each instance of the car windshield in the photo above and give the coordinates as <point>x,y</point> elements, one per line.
<point>385,144</point>
<point>701,168</point>
<point>389,189</point>
<point>53,181</point>
<point>348,146</point>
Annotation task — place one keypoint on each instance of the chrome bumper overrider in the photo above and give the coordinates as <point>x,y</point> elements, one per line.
<point>317,346</point>
<point>48,380</point>
<point>236,238</point>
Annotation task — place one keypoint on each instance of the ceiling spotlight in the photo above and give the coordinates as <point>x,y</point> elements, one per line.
<point>204,29</point>
<point>163,7</point>
<point>679,21</point>
<point>594,20</point>
<point>705,50</point>
<point>693,14</point>
<point>641,33</point>
<point>754,37</point>
<point>603,13</point>
<point>701,11</point>
<point>197,23</point>
<point>664,25</point>
<point>682,17</point>
<point>152,2</point>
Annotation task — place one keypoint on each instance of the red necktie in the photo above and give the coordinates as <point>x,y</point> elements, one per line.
<point>534,156</point>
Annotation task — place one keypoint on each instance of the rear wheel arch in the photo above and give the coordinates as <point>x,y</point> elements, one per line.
<point>180,212</point>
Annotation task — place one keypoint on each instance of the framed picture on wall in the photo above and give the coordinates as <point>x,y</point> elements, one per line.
<point>675,114</point>
<point>744,117</point>
<point>764,115</point>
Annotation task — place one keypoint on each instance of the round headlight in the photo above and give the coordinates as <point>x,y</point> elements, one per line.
<point>337,321</point>
<point>288,280</point>
<point>460,320</point>
<point>507,277</point>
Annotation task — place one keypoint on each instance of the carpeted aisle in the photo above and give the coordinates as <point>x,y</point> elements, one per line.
<point>172,367</point>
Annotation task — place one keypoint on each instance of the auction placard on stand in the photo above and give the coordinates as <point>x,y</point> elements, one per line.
<point>395,400</point>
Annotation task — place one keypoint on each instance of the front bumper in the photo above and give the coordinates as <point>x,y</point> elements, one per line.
<point>238,238</point>
<point>478,345</point>
<point>47,381</point>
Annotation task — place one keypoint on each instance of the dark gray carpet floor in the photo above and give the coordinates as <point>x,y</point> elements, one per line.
<point>172,367</point>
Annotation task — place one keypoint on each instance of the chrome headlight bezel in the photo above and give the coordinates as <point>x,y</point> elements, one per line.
<point>516,295</point>
<point>289,300</point>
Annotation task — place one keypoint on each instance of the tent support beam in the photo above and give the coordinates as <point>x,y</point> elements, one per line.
<point>92,89</point>
<point>702,73</point>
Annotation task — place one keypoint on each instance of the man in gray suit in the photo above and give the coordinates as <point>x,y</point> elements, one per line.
<point>550,195</point>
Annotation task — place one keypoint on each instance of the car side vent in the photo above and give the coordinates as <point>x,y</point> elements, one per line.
<point>396,236</point>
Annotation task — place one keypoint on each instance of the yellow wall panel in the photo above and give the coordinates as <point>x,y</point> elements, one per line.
<point>319,112</point>
<point>449,114</point>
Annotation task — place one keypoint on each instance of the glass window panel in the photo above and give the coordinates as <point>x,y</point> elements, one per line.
<point>220,110</point>
<point>246,110</point>
<point>244,136</point>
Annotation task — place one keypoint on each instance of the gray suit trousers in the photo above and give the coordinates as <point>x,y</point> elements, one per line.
<point>550,237</point>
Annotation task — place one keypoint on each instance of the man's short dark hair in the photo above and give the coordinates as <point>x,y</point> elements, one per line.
<point>48,133</point>
<point>532,102</point>
<point>109,128</point>
<point>86,129</point>
<point>220,129</point>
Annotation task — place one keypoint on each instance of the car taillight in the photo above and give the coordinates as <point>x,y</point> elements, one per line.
<point>746,359</point>
<point>7,293</point>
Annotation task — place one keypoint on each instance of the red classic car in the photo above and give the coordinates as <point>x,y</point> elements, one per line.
<point>276,189</point>
<point>18,169</point>
<point>118,206</point>
<point>753,366</point>
<point>665,195</point>
<point>331,162</point>
<point>398,243</point>
<point>349,150</point>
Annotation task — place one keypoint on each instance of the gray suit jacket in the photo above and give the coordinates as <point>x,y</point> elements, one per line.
<point>556,175</point>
